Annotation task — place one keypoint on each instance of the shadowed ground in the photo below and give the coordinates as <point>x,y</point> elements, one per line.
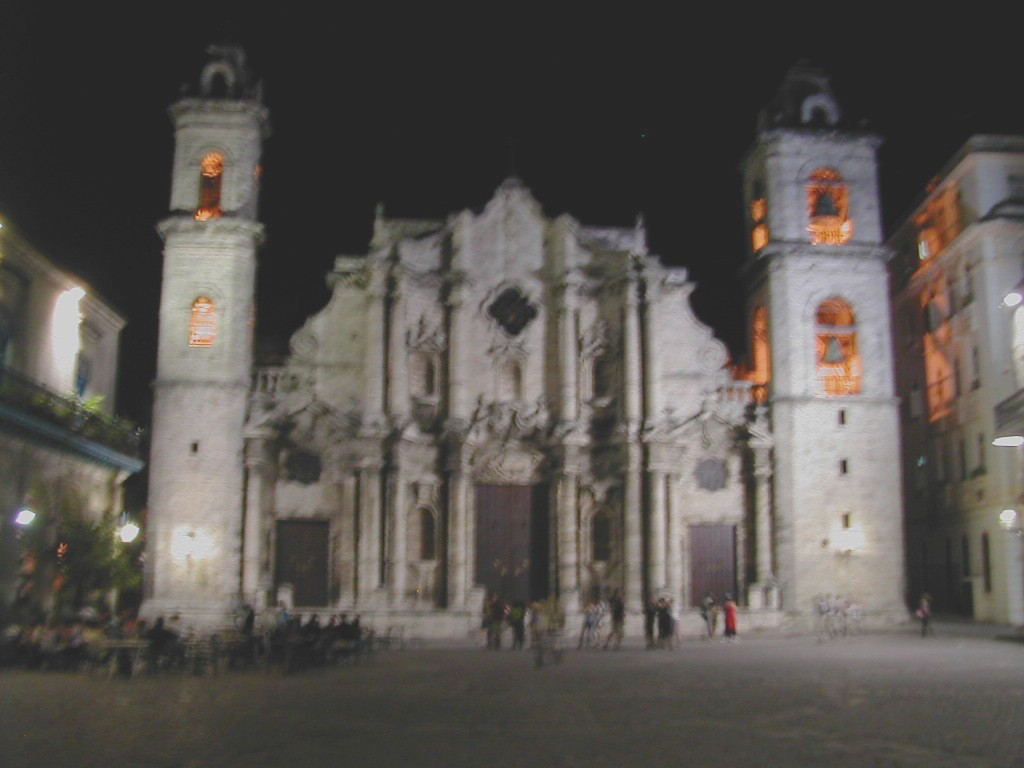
<point>891,700</point>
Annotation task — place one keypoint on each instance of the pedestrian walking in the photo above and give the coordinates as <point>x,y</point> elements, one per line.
<point>617,607</point>
<point>730,618</point>
<point>924,613</point>
<point>707,613</point>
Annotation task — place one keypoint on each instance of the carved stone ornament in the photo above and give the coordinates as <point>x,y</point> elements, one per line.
<point>424,336</point>
<point>712,474</point>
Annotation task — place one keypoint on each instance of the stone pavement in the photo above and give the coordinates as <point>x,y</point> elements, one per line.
<point>888,699</point>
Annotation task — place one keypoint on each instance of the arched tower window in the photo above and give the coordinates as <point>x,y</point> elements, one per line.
<point>838,358</point>
<point>202,330</point>
<point>828,207</point>
<point>760,236</point>
<point>601,537</point>
<point>428,535</point>
<point>211,177</point>
<point>762,359</point>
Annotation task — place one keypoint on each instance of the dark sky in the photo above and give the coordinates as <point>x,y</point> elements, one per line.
<point>602,117</point>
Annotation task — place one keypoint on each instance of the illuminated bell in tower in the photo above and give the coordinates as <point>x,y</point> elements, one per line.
<point>833,351</point>
<point>825,206</point>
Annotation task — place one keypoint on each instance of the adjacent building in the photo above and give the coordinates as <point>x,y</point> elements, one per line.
<point>61,450</point>
<point>959,349</point>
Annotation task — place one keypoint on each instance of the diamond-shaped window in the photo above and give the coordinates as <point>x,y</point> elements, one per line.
<point>512,311</point>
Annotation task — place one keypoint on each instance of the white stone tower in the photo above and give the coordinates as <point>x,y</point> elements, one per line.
<point>204,357</point>
<point>818,303</point>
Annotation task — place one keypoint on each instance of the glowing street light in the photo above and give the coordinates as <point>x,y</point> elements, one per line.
<point>25,516</point>
<point>1009,521</point>
<point>129,531</point>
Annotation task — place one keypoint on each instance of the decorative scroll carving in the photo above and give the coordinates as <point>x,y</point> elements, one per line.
<point>425,336</point>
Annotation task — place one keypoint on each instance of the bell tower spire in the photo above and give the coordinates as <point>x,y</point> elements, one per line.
<point>204,352</point>
<point>818,301</point>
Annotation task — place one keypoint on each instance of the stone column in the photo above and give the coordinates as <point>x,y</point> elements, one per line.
<point>568,356</point>
<point>632,362</point>
<point>349,555</point>
<point>458,402</point>
<point>252,536</point>
<point>674,537</point>
<point>765,592</point>
<point>376,344</point>
<point>398,541</point>
<point>652,399</point>
<point>369,534</point>
<point>656,531</point>
<point>568,537</point>
<point>398,358</point>
<point>633,587</point>
<point>632,576</point>
<point>458,577</point>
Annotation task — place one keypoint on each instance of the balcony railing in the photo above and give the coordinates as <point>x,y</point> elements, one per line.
<point>1010,412</point>
<point>23,397</point>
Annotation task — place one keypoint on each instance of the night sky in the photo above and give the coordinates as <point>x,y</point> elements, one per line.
<point>602,117</point>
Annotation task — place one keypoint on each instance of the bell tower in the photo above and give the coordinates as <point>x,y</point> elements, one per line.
<point>204,353</point>
<point>822,363</point>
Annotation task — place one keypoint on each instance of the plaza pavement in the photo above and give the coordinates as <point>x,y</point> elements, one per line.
<point>892,699</point>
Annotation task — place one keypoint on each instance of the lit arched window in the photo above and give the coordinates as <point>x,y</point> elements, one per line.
<point>838,359</point>
<point>760,235</point>
<point>828,208</point>
<point>601,537</point>
<point>762,371</point>
<point>428,535</point>
<point>210,178</point>
<point>202,329</point>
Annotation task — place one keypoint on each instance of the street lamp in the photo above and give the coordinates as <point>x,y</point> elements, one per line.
<point>129,531</point>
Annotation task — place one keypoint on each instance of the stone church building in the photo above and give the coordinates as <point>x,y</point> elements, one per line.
<point>506,402</point>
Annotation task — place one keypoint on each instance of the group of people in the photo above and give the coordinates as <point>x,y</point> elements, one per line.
<point>662,625</point>
<point>710,611</point>
<point>537,617</point>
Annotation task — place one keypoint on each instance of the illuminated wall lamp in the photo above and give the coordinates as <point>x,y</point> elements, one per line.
<point>1009,441</point>
<point>849,539</point>
<point>1009,521</point>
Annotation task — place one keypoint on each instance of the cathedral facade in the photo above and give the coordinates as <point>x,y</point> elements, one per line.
<point>505,403</point>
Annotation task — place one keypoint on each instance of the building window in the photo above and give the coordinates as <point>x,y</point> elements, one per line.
<point>428,535</point>
<point>844,466</point>
<point>838,359</point>
<point>211,177</point>
<point>760,235</point>
<point>975,368</point>
<point>601,537</point>
<point>965,555</point>
<point>760,374</point>
<point>828,205</point>
<point>938,224</point>
<point>916,405</point>
<point>986,563</point>
<point>202,330</point>
<point>979,468</point>
<point>842,416</point>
